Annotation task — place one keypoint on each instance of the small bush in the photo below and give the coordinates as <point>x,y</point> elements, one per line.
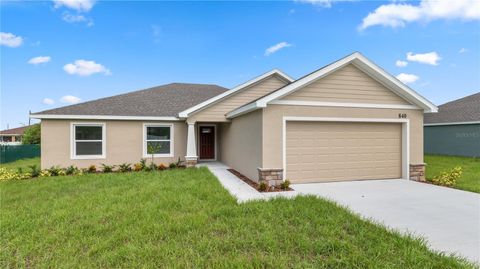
<point>143,164</point>
<point>285,185</point>
<point>448,178</point>
<point>92,169</point>
<point>107,168</point>
<point>172,165</point>
<point>125,167</point>
<point>138,167</point>
<point>45,173</point>
<point>6,174</point>
<point>71,170</point>
<point>162,166</point>
<point>263,186</point>
<point>152,167</point>
<point>54,171</point>
<point>34,170</point>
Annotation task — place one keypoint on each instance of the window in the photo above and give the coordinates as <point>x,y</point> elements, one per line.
<point>158,140</point>
<point>88,140</point>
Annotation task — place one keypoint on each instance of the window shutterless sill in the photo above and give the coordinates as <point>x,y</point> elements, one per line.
<point>87,157</point>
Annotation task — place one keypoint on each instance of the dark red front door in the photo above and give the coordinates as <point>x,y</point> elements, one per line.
<point>207,142</point>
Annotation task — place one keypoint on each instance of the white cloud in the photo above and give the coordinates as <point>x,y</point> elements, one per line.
<point>156,31</point>
<point>48,101</point>
<point>76,18</point>
<point>398,15</point>
<point>276,48</point>
<point>322,3</point>
<point>430,58</point>
<point>400,63</point>
<point>70,99</point>
<point>78,5</point>
<point>39,60</point>
<point>462,50</point>
<point>10,40</point>
<point>407,78</point>
<point>85,68</point>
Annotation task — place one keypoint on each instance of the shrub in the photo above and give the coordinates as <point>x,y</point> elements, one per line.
<point>6,174</point>
<point>448,178</point>
<point>162,166</point>
<point>285,185</point>
<point>34,170</point>
<point>125,167</point>
<point>32,135</point>
<point>45,173</point>
<point>92,169</point>
<point>152,167</point>
<point>263,186</point>
<point>71,170</point>
<point>138,167</point>
<point>54,171</point>
<point>107,168</point>
<point>172,165</point>
<point>143,164</point>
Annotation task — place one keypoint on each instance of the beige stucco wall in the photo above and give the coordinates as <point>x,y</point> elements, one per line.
<point>241,143</point>
<point>273,122</point>
<point>217,111</point>
<point>347,85</point>
<point>124,143</point>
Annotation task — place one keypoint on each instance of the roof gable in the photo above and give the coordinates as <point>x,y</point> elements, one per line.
<point>275,72</point>
<point>360,62</point>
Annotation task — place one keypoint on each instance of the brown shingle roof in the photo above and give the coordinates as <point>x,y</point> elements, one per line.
<point>462,110</point>
<point>162,101</point>
<point>15,131</point>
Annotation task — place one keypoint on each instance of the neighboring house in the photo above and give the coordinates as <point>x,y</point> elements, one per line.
<point>455,129</point>
<point>12,136</point>
<point>349,120</point>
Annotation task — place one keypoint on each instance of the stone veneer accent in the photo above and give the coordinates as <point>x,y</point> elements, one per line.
<point>190,163</point>
<point>273,176</point>
<point>417,172</point>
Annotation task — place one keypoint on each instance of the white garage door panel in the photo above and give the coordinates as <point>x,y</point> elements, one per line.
<point>335,151</point>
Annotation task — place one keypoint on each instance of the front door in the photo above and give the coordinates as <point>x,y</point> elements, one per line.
<point>207,142</point>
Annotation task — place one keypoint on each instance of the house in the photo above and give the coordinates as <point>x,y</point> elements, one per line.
<point>12,136</point>
<point>349,120</point>
<point>455,129</point>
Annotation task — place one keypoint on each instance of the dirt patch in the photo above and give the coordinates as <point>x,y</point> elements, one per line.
<point>254,184</point>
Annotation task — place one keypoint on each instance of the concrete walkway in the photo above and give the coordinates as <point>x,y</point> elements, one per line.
<point>238,188</point>
<point>449,219</point>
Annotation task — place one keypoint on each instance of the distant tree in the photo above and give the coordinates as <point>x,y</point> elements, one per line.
<point>32,135</point>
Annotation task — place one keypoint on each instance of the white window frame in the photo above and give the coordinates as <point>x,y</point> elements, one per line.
<point>73,145</point>
<point>170,125</point>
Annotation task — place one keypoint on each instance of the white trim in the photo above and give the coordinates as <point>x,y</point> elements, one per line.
<point>215,143</point>
<point>338,104</point>
<point>144,148</point>
<point>186,113</point>
<point>73,155</point>
<point>191,143</point>
<point>405,137</point>
<point>101,117</point>
<point>359,61</point>
<point>451,123</point>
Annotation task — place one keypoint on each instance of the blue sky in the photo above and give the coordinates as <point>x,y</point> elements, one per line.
<point>86,50</point>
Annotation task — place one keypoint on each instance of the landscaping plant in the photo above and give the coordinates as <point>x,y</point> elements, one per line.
<point>448,178</point>
<point>107,168</point>
<point>92,169</point>
<point>34,170</point>
<point>125,167</point>
<point>285,185</point>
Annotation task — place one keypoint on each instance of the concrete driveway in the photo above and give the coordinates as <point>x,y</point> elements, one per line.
<point>448,219</point>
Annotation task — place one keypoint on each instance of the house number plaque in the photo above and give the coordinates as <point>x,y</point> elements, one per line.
<point>402,115</point>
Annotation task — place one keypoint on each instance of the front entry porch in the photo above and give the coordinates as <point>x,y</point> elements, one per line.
<point>202,142</point>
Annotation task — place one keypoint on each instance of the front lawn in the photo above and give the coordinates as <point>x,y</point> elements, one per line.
<point>184,218</point>
<point>470,179</point>
<point>23,164</point>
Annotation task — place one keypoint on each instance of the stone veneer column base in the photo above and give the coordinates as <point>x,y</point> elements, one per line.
<point>272,176</point>
<point>417,172</point>
<point>190,162</point>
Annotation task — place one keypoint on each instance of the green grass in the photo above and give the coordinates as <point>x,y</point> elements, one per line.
<point>23,163</point>
<point>470,180</point>
<point>184,218</point>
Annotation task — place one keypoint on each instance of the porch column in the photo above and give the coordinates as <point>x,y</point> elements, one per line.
<point>191,157</point>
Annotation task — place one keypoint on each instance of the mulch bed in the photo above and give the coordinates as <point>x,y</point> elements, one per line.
<point>254,184</point>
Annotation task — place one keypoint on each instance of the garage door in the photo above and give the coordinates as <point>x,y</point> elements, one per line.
<point>338,151</point>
